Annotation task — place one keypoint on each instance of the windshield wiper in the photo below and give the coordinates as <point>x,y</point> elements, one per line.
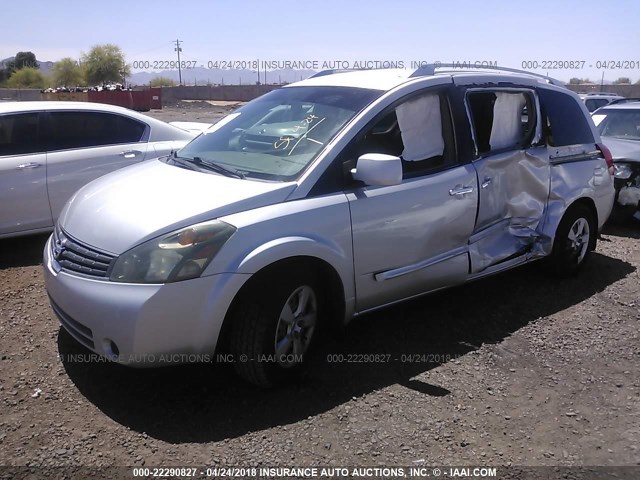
<point>196,162</point>
<point>183,161</point>
<point>216,167</point>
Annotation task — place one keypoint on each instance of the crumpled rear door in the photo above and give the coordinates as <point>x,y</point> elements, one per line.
<point>514,188</point>
<point>513,172</point>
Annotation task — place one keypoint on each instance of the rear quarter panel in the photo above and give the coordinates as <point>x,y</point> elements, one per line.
<point>573,180</point>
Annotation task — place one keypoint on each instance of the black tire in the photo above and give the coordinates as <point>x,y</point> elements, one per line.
<point>575,238</point>
<point>258,321</point>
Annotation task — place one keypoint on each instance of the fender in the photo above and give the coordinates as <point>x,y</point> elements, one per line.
<point>293,246</point>
<point>299,246</point>
<point>556,209</point>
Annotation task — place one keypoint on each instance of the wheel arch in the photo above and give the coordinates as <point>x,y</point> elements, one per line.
<point>329,277</point>
<point>558,210</point>
<point>591,206</point>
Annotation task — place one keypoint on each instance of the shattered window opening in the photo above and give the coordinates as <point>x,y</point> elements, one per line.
<point>502,120</point>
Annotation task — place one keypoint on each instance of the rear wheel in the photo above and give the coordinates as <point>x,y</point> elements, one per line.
<point>274,326</point>
<point>575,237</point>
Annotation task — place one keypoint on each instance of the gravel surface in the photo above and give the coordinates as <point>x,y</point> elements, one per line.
<point>194,111</point>
<point>517,369</point>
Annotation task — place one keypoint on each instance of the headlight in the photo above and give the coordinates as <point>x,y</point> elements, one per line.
<point>177,256</point>
<point>623,171</point>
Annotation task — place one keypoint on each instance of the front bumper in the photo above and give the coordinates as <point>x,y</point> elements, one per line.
<point>629,195</point>
<point>628,189</point>
<point>142,325</point>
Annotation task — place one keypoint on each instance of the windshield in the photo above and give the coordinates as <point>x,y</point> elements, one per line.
<point>619,123</point>
<point>276,136</point>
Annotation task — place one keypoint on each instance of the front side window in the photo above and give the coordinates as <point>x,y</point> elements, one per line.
<point>91,129</point>
<point>618,123</point>
<point>418,130</point>
<point>19,134</point>
<point>501,119</point>
<point>276,136</point>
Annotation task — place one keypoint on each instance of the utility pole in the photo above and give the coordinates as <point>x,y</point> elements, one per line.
<point>123,72</point>
<point>179,49</point>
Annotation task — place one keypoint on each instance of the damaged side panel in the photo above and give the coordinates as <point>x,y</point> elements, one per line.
<point>514,188</point>
<point>573,176</point>
<point>513,176</point>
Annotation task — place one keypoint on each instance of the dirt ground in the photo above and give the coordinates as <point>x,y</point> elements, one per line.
<point>194,111</point>
<point>517,369</point>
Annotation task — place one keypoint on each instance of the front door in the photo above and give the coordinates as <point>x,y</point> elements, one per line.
<point>411,238</point>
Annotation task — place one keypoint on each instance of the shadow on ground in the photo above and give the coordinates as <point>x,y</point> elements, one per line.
<point>630,229</point>
<point>22,251</point>
<point>201,403</point>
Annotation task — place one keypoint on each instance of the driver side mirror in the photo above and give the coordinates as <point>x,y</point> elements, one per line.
<point>378,169</point>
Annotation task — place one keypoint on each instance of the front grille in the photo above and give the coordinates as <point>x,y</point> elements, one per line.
<point>73,256</point>
<point>78,331</point>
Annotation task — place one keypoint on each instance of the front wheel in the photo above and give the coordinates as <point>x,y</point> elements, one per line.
<point>275,325</point>
<point>574,239</point>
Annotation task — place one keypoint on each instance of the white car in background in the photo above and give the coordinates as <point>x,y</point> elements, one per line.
<point>595,100</point>
<point>48,150</point>
<point>194,127</point>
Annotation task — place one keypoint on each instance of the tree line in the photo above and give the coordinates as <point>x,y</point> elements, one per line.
<point>103,64</point>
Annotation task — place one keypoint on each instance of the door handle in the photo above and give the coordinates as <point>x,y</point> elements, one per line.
<point>22,166</point>
<point>487,182</point>
<point>130,153</point>
<point>461,190</point>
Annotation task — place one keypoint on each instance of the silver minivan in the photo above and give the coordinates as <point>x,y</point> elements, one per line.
<point>321,201</point>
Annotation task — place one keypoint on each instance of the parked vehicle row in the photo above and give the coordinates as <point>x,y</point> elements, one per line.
<point>321,201</point>
<point>595,100</point>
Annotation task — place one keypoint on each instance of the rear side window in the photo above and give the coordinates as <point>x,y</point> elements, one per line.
<point>566,123</point>
<point>595,103</point>
<point>19,134</point>
<point>90,129</point>
<point>502,120</point>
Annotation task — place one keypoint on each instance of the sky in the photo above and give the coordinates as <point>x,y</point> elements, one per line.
<point>551,33</point>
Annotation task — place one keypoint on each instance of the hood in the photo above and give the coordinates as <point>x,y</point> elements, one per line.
<point>623,149</point>
<point>137,203</point>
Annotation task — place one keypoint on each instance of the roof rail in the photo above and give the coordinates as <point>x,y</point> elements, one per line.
<point>331,71</point>
<point>430,69</point>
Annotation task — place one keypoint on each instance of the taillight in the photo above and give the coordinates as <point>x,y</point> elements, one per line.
<point>607,156</point>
